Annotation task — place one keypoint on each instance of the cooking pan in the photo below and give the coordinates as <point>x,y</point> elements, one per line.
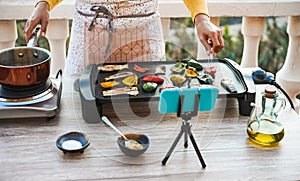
<point>24,66</point>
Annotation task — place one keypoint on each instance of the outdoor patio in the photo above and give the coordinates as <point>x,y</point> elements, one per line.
<point>254,15</point>
<point>29,152</point>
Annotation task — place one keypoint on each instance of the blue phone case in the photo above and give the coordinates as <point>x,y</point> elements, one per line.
<point>169,99</point>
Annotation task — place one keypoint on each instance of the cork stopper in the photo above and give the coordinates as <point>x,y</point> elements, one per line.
<point>270,91</point>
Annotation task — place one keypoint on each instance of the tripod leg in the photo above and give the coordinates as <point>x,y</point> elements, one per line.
<point>172,147</point>
<point>185,140</point>
<point>197,150</point>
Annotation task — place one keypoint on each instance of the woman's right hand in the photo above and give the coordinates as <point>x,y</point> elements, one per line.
<point>40,15</point>
<point>209,34</point>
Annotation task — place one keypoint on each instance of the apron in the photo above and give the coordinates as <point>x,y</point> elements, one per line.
<point>114,31</point>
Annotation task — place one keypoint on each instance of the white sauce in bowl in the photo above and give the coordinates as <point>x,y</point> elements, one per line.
<point>71,145</point>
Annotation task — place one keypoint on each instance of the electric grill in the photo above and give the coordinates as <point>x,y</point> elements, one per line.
<point>92,99</point>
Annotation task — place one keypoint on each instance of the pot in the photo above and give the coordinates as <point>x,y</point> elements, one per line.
<point>24,66</point>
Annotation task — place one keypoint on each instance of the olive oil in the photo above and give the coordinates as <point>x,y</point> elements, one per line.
<point>265,132</point>
<point>263,126</point>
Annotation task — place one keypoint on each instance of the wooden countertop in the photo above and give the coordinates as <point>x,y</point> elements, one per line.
<point>28,150</point>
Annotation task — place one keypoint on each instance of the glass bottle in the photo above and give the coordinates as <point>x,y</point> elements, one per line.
<point>263,127</point>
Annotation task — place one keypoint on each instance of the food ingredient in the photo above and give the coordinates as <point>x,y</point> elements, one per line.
<point>149,86</point>
<point>153,78</point>
<point>131,80</point>
<point>71,145</point>
<point>118,75</point>
<point>179,67</point>
<point>109,84</point>
<point>210,70</point>
<point>191,72</point>
<point>265,132</point>
<point>140,69</point>
<point>263,126</point>
<point>109,68</point>
<point>134,145</point>
<point>193,63</point>
<point>177,80</point>
<point>122,90</point>
<point>160,69</point>
<point>167,87</point>
<point>205,79</point>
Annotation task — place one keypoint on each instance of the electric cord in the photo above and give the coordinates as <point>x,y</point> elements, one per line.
<point>261,77</point>
<point>283,91</point>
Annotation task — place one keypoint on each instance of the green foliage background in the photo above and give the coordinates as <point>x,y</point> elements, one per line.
<point>272,49</point>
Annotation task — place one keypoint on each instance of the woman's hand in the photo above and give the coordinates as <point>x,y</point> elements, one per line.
<point>209,34</point>
<point>40,15</point>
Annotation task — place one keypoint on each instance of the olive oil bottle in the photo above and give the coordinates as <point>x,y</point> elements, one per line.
<point>265,132</point>
<point>263,127</point>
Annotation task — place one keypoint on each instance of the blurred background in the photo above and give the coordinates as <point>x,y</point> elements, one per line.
<point>182,42</point>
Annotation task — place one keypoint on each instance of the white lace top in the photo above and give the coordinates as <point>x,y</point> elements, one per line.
<point>86,48</point>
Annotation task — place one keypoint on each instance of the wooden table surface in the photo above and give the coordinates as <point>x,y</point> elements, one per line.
<point>28,150</point>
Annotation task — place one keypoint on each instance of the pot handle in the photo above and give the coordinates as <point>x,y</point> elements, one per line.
<point>34,37</point>
<point>59,73</point>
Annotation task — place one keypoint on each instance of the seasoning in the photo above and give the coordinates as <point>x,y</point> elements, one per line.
<point>71,145</point>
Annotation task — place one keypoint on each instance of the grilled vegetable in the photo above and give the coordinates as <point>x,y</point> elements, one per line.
<point>160,69</point>
<point>149,86</point>
<point>178,67</point>
<point>191,72</point>
<point>153,78</point>
<point>197,65</point>
<point>131,80</point>
<point>206,79</point>
<point>140,69</point>
<point>167,87</point>
<point>122,90</point>
<point>177,80</point>
<point>109,84</point>
<point>118,75</point>
<point>112,67</point>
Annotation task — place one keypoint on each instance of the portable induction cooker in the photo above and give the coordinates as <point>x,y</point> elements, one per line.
<point>35,101</point>
<point>93,100</point>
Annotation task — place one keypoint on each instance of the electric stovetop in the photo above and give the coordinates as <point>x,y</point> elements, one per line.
<point>42,101</point>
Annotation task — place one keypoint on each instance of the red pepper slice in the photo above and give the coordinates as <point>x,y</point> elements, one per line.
<point>166,87</point>
<point>153,78</point>
<point>140,69</point>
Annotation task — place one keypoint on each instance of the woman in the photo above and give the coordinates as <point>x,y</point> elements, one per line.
<point>105,20</point>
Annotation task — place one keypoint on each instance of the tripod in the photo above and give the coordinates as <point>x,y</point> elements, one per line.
<point>186,130</point>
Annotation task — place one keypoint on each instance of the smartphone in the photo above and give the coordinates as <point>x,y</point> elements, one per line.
<point>169,99</point>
